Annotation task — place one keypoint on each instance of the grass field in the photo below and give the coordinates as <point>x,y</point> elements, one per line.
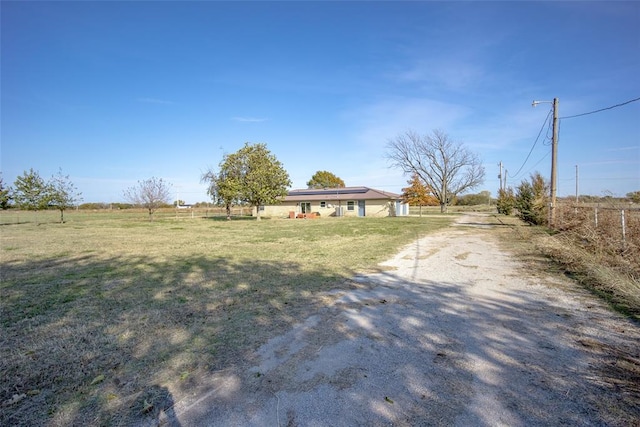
<point>105,315</point>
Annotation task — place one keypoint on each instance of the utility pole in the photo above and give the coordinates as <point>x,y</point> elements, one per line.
<point>554,162</point>
<point>500,175</point>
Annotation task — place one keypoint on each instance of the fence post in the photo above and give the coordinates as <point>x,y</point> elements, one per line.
<point>624,232</point>
<point>596,216</point>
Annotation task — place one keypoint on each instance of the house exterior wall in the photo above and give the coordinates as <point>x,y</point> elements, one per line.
<point>373,208</point>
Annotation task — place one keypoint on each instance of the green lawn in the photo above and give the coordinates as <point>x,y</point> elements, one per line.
<point>100,313</point>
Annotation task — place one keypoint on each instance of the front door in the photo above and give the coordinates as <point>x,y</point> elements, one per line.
<point>360,207</point>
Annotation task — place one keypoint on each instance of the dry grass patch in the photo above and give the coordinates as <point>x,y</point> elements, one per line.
<point>611,275</point>
<point>108,321</point>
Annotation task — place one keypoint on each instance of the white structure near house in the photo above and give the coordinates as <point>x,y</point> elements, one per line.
<point>346,201</point>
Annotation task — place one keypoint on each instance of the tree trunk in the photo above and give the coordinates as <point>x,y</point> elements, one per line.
<point>444,195</point>
<point>258,213</point>
<point>61,216</point>
<point>228,212</point>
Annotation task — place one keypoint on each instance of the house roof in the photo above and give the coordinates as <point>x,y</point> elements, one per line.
<point>344,193</point>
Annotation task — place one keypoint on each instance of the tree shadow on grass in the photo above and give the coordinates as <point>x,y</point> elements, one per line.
<point>427,353</point>
<point>91,340</point>
<point>235,218</point>
<point>156,405</point>
<point>88,340</point>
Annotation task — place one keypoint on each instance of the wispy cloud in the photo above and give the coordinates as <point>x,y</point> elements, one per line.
<point>154,101</point>
<point>454,74</point>
<point>624,148</point>
<point>248,119</point>
<point>375,123</point>
<point>610,162</point>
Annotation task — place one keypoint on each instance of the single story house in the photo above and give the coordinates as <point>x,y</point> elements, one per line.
<point>346,201</point>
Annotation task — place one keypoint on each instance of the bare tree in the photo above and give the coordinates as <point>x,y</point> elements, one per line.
<point>446,166</point>
<point>63,193</point>
<point>150,194</point>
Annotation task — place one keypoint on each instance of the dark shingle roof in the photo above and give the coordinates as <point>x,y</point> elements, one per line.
<point>344,193</point>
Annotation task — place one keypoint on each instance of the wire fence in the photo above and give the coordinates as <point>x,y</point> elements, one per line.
<point>611,228</point>
<point>15,216</point>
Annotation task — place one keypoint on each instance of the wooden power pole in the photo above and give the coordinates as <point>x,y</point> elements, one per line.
<point>554,163</point>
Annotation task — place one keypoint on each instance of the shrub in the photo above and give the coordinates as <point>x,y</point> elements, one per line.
<point>506,201</point>
<point>482,198</point>
<point>531,200</point>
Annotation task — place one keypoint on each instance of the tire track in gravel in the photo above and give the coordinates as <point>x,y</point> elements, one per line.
<point>454,331</point>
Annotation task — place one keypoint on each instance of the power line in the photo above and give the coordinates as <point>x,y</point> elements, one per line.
<point>539,161</point>
<point>548,138</point>
<point>602,109</point>
<point>534,146</point>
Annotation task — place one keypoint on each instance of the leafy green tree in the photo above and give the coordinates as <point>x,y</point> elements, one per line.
<point>325,179</point>
<point>446,166</point>
<point>62,193</point>
<point>418,194</point>
<point>5,195</point>
<point>264,181</point>
<point>252,175</point>
<point>31,192</point>
<point>151,194</point>
<point>532,200</point>
<point>225,185</point>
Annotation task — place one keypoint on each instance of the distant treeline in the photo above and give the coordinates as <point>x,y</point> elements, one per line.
<point>482,198</point>
<point>117,205</point>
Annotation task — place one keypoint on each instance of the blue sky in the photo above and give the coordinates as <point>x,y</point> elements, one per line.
<point>116,92</point>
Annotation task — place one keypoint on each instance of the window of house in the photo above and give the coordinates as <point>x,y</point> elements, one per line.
<point>262,208</point>
<point>305,207</point>
<point>323,204</point>
<point>351,205</point>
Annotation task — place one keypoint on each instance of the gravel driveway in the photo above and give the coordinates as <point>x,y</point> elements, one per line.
<point>455,332</point>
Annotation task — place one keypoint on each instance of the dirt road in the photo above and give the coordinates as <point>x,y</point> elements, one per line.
<point>455,332</point>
